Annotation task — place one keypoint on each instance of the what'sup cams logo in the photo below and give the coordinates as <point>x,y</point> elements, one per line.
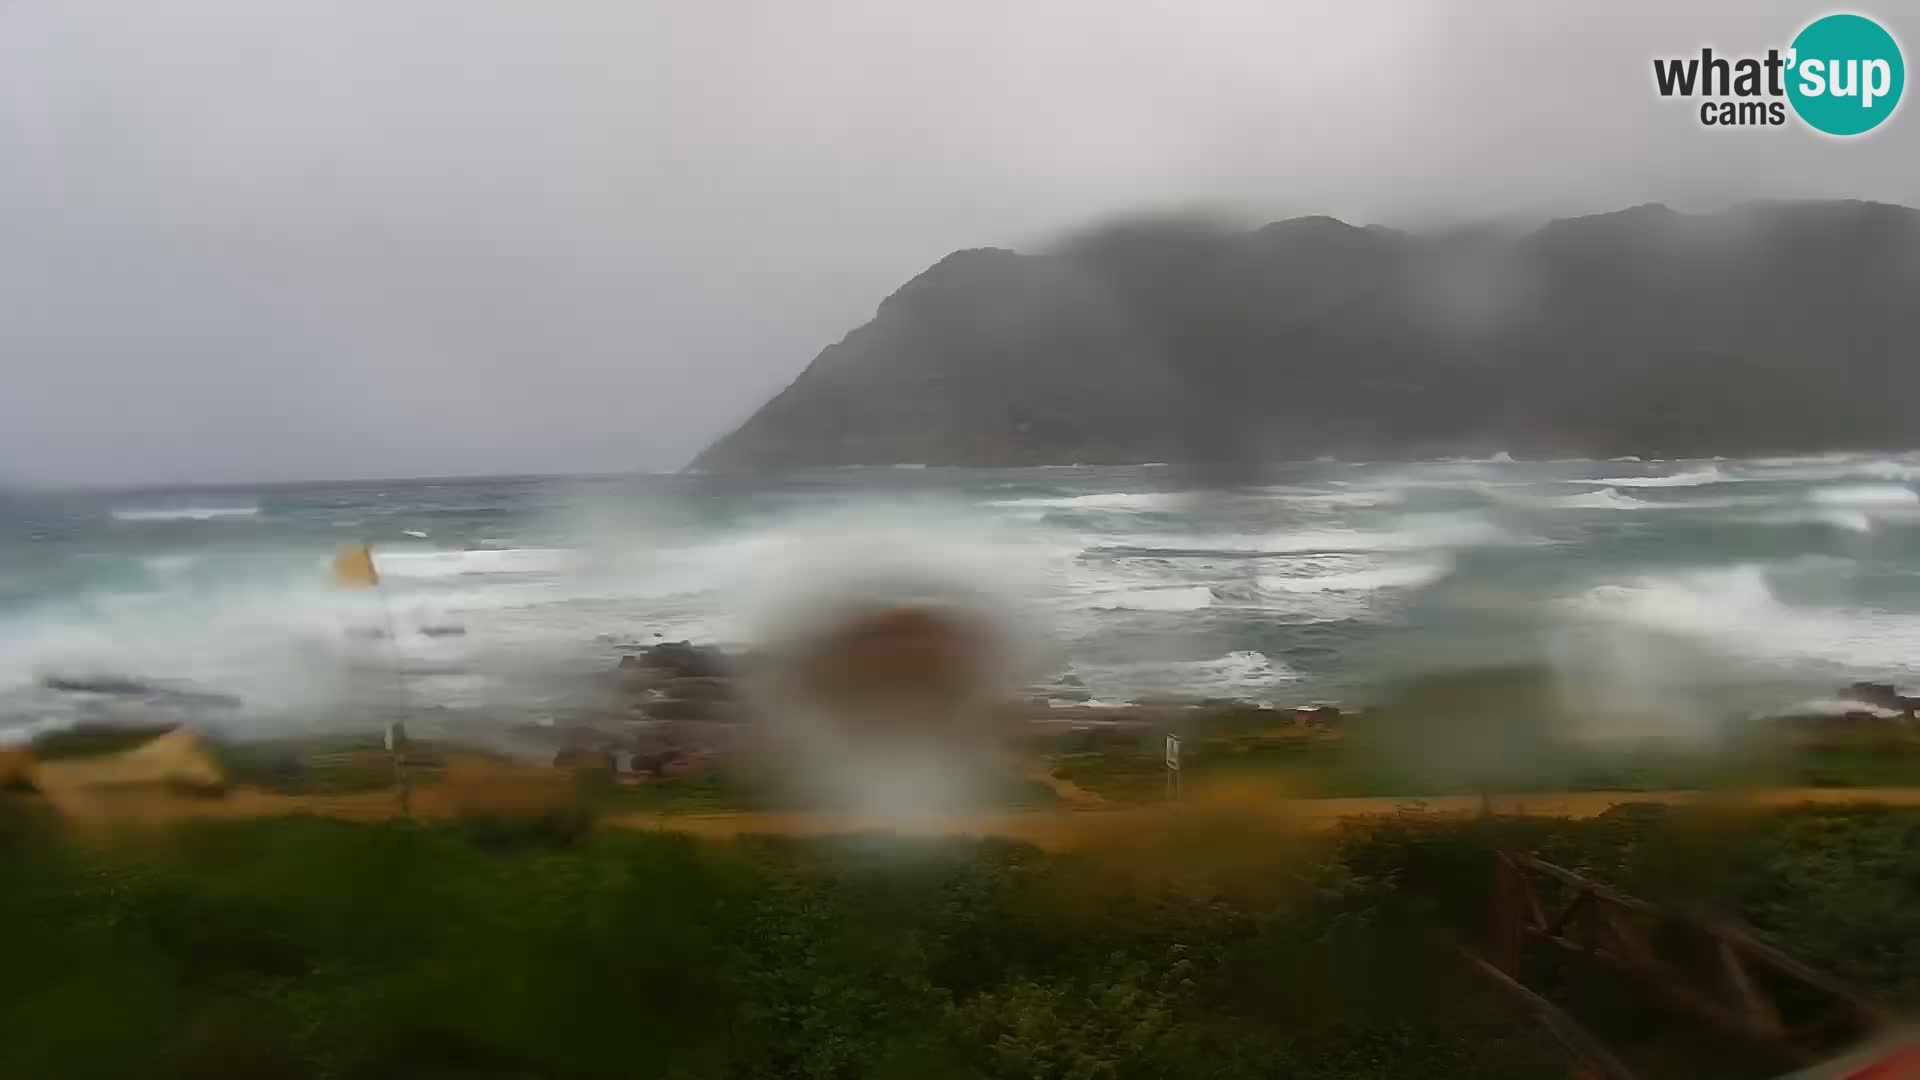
<point>1842,75</point>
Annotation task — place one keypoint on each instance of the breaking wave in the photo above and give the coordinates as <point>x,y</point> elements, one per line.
<point>1117,500</point>
<point>1855,521</point>
<point>163,565</point>
<point>1865,495</point>
<point>1169,598</point>
<point>1405,576</point>
<point>1245,674</point>
<point>403,563</point>
<point>1815,467</point>
<point>1604,499</point>
<point>1712,474</point>
<point>1415,533</point>
<point>1840,707</point>
<point>183,513</point>
<point>1736,610</point>
<point>1386,496</point>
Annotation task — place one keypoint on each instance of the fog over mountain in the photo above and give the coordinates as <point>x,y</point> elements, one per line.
<point>332,238</point>
<point>1772,326</point>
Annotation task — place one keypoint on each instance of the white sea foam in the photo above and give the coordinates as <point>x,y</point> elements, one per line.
<point>1245,673</point>
<point>1414,532</point>
<point>1604,499</point>
<point>270,644</point>
<point>1391,576</point>
<point>1735,610</point>
<point>1857,521</point>
<point>1693,478</point>
<point>1113,500</point>
<point>1865,495</point>
<point>403,563</point>
<point>1364,497</point>
<point>1838,707</point>
<point>1796,460</point>
<point>1891,470</point>
<point>164,565</point>
<point>1173,500</point>
<point>1170,598</point>
<point>1856,509</point>
<point>183,513</point>
<point>1832,467</point>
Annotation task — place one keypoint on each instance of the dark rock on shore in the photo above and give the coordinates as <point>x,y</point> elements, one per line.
<point>1881,696</point>
<point>698,688</point>
<point>1859,705</point>
<point>681,681</point>
<point>680,659</point>
<point>1322,716</point>
<point>690,709</point>
<point>118,686</point>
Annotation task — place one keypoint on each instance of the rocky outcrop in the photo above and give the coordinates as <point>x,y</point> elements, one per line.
<point>1765,328</point>
<point>1860,705</point>
<point>679,659</point>
<point>116,686</point>
<point>1882,696</point>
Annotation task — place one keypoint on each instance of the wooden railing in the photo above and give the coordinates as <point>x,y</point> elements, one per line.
<point>1707,968</point>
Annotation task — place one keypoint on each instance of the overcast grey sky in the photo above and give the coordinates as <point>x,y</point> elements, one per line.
<point>323,238</point>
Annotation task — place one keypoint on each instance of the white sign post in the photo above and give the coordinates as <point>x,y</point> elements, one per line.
<point>1173,767</point>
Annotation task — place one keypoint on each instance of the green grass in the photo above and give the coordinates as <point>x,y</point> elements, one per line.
<point>305,948</point>
<point>325,764</point>
<point>89,740</point>
<point>723,789</point>
<point>696,793</point>
<point>1376,761</point>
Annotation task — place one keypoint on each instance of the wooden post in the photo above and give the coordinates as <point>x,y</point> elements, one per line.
<point>1509,915</point>
<point>1591,1056</point>
<point>1173,767</point>
<point>397,749</point>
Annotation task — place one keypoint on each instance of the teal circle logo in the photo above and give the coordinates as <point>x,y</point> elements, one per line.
<point>1846,74</point>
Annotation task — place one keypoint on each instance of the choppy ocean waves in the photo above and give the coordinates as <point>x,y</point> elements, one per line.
<point>1738,610</point>
<point>1414,532</point>
<point>1244,674</point>
<point>427,563</point>
<point>1266,591</point>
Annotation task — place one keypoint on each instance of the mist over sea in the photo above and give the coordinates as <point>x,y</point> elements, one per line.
<point>1746,582</point>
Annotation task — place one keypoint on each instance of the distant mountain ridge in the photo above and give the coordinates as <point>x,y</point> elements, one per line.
<point>1768,327</point>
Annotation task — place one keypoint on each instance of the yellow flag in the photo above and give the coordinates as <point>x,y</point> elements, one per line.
<point>354,567</point>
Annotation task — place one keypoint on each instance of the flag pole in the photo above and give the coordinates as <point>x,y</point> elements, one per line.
<point>355,567</point>
<point>396,733</point>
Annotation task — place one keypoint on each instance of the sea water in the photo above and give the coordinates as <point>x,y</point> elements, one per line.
<point>507,599</point>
